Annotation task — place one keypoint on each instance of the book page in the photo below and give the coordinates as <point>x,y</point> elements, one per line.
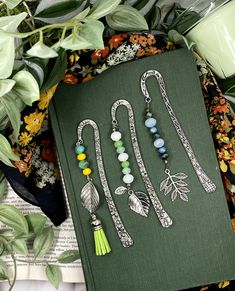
<point>65,239</point>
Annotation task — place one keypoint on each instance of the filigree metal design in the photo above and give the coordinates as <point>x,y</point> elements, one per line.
<point>162,215</point>
<point>123,235</point>
<point>205,181</point>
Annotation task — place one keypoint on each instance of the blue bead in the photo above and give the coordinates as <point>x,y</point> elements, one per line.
<point>79,149</point>
<point>162,150</point>
<point>153,130</point>
<point>150,122</point>
<point>159,142</point>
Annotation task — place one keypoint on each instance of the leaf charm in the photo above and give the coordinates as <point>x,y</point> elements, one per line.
<point>175,185</point>
<point>120,190</point>
<point>90,197</point>
<point>139,203</point>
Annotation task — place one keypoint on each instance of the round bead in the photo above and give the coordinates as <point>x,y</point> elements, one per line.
<point>123,157</point>
<point>159,142</point>
<point>81,157</point>
<point>153,130</point>
<point>128,179</point>
<point>126,171</point>
<point>120,150</point>
<point>162,150</point>
<point>118,143</point>
<point>116,135</point>
<point>86,171</point>
<point>164,156</point>
<point>79,149</point>
<point>125,164</point>
<point>83,164</point>
<point>150,122</point>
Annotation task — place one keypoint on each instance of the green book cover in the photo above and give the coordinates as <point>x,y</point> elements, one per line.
<point>198,248</point>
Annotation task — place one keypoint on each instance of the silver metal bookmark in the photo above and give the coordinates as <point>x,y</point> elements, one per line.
<point>122,233</point>
<point>162,215</point>
<point>205,181</point>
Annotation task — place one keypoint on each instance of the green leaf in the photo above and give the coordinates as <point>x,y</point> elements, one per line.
<point>42,51</point>
<point>54,275</point>
<point>19,246</point>
<point>36,222</point>
<point>3,188</point>
<point>13,112</point>
<point>12,3</point>
<point>2,248</point>
<point>153,17</point>
<point>102,8</point>
<point>26,87</point>
<point>144,6</point>
<point>6,150</point>
<point>36,68</point>
<point>43,242</point>
<point>10,23</point>
<point>12,217</point>
<point>50,12</point>
<point>57,70</point>
<point>6,86</point>
<point>3,270</point>
<point>125,17</point>
<point>69,256</point>
<point>92,31</point>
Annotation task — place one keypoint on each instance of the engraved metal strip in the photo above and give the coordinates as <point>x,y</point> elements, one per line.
<point>123,235</point>
<point>205,181</point>
<point>162,215</point>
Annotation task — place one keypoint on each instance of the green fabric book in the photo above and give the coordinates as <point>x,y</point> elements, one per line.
<point>198,248</point>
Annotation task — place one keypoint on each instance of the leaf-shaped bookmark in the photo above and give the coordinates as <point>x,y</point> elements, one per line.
<point>90,197</point>
<point>120,190</point>
<point>139,202</point>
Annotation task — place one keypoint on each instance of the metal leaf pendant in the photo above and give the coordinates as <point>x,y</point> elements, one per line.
<point>121,190</point>
<point>139,203</point>
<point>175,185</point>
<point>90,197</point>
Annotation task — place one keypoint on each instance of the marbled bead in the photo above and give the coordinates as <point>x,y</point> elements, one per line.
<point>120,150</point>
<point>83,164</point>
<point>125,164</point>
<point>118,143</point>
<point>153,130</point>
<point>116,135</point>
<point>164,156</point>
<point>159,142</point>
<point>128,179</point>
<point>123,157</point>
<point>126,171</point>
<point>79,149</point>
<point>161,150</point>
<point>150,122</point>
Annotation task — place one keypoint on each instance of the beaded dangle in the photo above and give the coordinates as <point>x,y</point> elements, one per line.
<point>174,184</point>
<point>138,201</point>
<point>90,196</point>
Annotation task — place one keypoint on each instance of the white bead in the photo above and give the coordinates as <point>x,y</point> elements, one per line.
<point>128,179</point>
<point>116,135</point>
<point>123,157</point>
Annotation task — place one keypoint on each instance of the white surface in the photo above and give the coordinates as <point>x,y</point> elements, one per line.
<point>42,286</point>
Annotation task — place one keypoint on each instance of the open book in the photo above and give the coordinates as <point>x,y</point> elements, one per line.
<point>65,239</point>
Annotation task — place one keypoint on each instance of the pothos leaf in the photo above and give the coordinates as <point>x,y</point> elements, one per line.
<point>6,151</point>
<point>12,3</point>
<point>3,270</point>
<point>43,242</point>
<point>69,256</point>
<point>19,246</point>
<point>36,222</point>
<point>54,275</point>
<point>3,188</point>
<point>102,8</point>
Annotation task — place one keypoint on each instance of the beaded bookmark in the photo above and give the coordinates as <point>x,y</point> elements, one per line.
<point>175,183</point>
<point>128,178</point>
<point>90,196</point>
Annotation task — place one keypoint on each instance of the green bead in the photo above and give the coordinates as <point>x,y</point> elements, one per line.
<point>118,143</point>
<point>125,164</point>
<point>120,150</point>
<point>83,164</point>
<point>79,149</point>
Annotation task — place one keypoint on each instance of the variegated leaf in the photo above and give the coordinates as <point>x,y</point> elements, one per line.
<point>184,189</point>
<point>120,190</point>
<point>174,195</point>
<point>168,189</point>
<point>184,196</point>
<point>139,203</point>
<point>163,184</point>
<point>90,197</point>
<point>180,175</point>
<point>181,183</point>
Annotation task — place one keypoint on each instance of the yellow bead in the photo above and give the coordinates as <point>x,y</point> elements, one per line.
<point>86,171</point>
<point>81,157</point>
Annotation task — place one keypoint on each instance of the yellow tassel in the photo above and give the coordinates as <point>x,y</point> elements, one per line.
<point>102,246</point>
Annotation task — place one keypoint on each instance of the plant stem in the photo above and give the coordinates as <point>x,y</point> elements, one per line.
<point>29,13</point>
<point>33,262</point>
<point>12,283</point>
